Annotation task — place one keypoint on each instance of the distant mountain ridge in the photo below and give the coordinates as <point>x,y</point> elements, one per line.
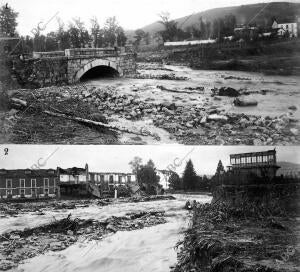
<point>287,167</point>
<point>262,12</point>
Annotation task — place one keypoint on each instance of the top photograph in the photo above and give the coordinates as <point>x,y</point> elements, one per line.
<point>134,72</point>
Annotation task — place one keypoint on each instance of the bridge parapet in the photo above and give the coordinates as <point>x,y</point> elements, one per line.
<point>90,52</point>
<point>51,54</point>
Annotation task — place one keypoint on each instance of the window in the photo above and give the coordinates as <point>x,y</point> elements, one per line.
<point>120,179</point>
<point>102,178</point>
<point>46,191</point>
<point>8,183</point>
<point>22,192</point>
<point>9,193</point>
<point>22,183</point>
<point>33,192</point>
<point>111,179</point>
<point>33,183</point>
<point>46,182</point>
<point>129,178</point>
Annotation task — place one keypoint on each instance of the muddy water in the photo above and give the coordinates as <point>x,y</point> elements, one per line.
<point>282,91</point>
<point>148,249</point>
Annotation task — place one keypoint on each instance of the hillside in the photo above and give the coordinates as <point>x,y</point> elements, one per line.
<point>288,167</point>
<point>282,11</point>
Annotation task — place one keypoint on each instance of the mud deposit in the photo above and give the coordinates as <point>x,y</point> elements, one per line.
<point>176,103</point>
<point>251,238</point>
<point>98,235</point>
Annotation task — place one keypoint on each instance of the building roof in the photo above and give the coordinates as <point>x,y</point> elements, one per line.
<point>27,172</point>
<point>110,173</point>
<point>71,171</point>
<point>250,154</point>
<point>288,21</point>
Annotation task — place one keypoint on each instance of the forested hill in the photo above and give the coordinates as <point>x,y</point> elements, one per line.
<point>282,11</point>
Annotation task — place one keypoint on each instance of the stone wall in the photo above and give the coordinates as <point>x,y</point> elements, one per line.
<point>43,72</point>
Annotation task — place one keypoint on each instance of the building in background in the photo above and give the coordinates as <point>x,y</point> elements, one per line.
<point>261,164</point>
<point>286,28</point>
<point>79,182</point>
<point>73,181</point>
<point>27,183</point>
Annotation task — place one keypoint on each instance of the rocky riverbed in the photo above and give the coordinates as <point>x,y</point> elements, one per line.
<point>163,104</point>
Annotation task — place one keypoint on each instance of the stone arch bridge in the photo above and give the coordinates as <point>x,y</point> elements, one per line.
<point>71,65</point>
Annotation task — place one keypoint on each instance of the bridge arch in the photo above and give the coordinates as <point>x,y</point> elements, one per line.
<point>97,63</point>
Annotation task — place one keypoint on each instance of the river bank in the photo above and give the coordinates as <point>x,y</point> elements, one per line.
<point>246,238</point>
<point>267,57</point>
<point>161,104</point>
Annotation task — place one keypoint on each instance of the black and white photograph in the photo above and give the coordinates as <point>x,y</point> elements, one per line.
<point>152,208</point>
<point>149,136</point>
<point>150,72</point>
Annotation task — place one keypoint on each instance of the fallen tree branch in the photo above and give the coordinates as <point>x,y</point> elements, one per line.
<point>18,103</point>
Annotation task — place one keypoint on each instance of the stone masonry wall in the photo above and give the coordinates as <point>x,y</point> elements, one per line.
<point>63,70</point>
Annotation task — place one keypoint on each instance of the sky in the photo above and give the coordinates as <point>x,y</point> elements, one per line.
<point>101,158</point>
<point>131,14</point>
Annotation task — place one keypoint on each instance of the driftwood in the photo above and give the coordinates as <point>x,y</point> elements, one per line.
<point>178,92</point>
<point>18,103</point>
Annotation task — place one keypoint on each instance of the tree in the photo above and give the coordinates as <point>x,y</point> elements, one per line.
<point>148,179</point>
<point>62,36</point>
<point>175,181</point>
<point>96,33</point>
<point>8,21</point>
<point>136,164</point>
<point>79,36</point>
<point>171,31</point>
<point>139,35</point>
<point>113,33</point>
<point>220,168</point>
<point>189,178</point>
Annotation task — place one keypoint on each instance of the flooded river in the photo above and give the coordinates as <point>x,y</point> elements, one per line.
<point>281,91</point>
<point>148,249</point>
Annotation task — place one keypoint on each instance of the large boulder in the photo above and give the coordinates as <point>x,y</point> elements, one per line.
<point>244,102</point>
<point>228,91</point>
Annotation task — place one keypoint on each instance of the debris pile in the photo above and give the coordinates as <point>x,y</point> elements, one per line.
<point>246,238</point>
<point>151,198</point>
<point>85,114</point>
<point>170,76</point>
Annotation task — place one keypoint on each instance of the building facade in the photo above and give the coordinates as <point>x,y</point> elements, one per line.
<point>27,183</point>
<point>282,28</point>
<point>261,164</point>
<point>110,180</point>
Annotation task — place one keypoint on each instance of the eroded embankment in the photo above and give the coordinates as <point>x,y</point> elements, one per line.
<point>246,238</point>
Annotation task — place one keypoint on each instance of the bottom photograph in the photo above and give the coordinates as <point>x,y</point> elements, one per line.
<point>149,208</point>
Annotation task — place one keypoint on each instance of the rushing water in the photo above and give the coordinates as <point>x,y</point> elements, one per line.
<point>148,249</point>
<point>282,91</point>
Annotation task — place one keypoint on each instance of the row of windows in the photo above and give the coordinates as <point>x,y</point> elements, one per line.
<point>269,158</point>
<point>33,182</point>
<point>22,192</point>
<point>111,178</point>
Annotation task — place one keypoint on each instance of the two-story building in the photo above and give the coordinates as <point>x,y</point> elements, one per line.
<point>73,181</point>
<point>283,28</point>
<point>27,183</point>
<point>110,180</point>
